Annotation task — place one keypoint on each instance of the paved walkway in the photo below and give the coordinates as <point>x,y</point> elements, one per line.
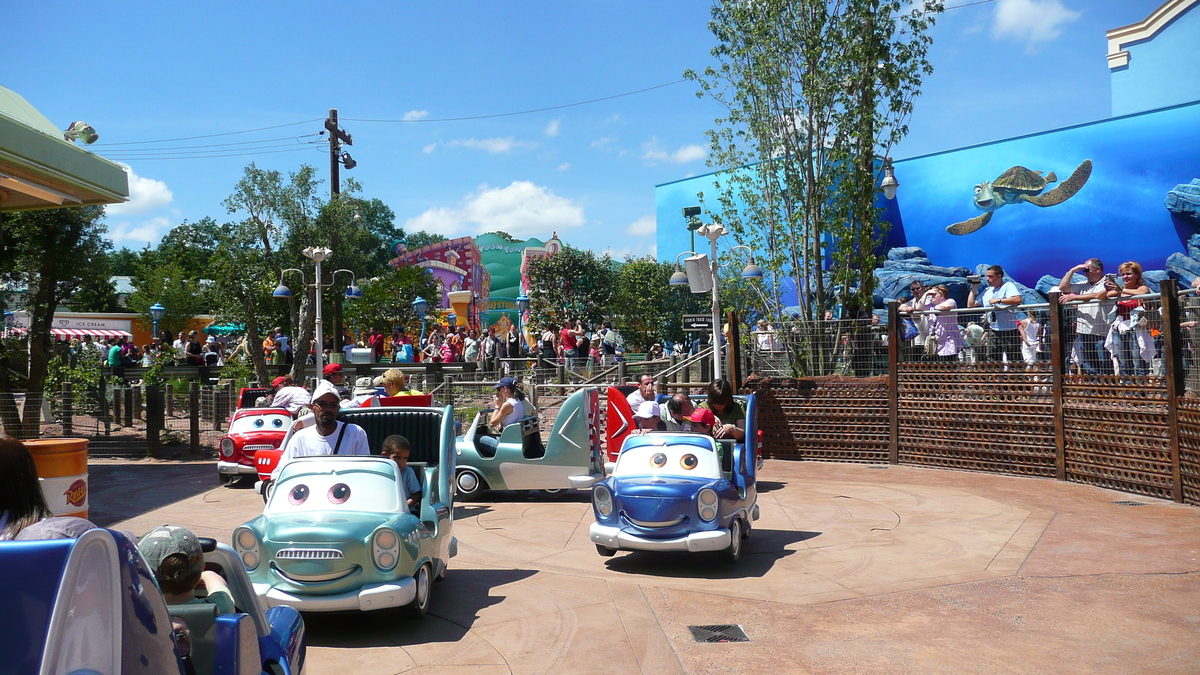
<point>852,568</point>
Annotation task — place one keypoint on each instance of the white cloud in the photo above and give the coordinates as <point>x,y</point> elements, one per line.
<point>136,236</point>
<point>429,148</point>
<point>565,166</point>
<point>644,226</point>
<point>493,145</point>
<point>522,209</point>
<point>1031,21</point>
<point>603,142</point>
<point>414,115</point>
<point>145,194</point>
<point>551,128</point>
<point>653,151</point>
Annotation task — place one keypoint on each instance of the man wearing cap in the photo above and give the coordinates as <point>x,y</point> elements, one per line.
<point>675,413</point>
<point>174,555</point>
<point>288,395</point>
<point>647,417</point>
<point>336,376</point>
<point>326,436</point>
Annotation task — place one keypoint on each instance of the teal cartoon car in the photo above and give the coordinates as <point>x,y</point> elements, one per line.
<point>337,532</point>
<point>571,457</point>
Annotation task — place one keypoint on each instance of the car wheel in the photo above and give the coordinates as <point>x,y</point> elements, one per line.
<point>268,485</point>
<point>468,484</point>
<point>734,552</point>
<point>605,551</point>
<point>442,575</point>
<point>420,604</point>
<point>552,492</point>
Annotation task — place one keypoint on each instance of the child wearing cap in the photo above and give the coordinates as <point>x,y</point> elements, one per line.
<point>175,556</point>
<point>647,417</point>
<point>397,448</point>
<point>702,420</point>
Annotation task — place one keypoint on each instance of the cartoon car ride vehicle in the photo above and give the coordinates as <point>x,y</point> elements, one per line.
<point>337,533</point>
<point>91,605</point>
<point>620,423</point>
<point>571,457</point>
<point>676,492</point>
<point>250,430</point>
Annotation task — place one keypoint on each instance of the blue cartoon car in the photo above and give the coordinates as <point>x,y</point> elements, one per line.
<point>337,532</point>
<point>90,605</point>
<point>676,492</point>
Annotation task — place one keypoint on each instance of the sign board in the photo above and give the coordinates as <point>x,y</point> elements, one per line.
<point>694,323</point>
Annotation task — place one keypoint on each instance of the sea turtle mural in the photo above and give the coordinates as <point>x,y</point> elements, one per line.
<point>1017,185</point>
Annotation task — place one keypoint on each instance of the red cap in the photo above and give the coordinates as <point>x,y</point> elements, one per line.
<point>332,368</point>
<point>278,381</point>
<point>703,416</point>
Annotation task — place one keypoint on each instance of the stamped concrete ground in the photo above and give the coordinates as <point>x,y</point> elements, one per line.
<point>852,568</point>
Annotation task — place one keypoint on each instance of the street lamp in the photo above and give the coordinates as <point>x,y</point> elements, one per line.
<point>889,182</point>
<point>522,307</point>
<point>421,307</point>
<point>318,255</point>
<point>156,315</point>
<point>701,276</point>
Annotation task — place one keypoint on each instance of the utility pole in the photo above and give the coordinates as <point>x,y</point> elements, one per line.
<point>336,157</point>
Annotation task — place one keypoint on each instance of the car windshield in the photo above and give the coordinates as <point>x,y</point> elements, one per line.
<point>360,487</point>
<point>267,422</point>
<point>660,457</point>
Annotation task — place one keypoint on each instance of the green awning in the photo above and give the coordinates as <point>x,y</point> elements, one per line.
<point>224,328</point>
<point>40,168</point>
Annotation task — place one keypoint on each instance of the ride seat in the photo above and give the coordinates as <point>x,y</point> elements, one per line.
<point>201,620</point>
<point>531,438</point>
<point>422,428</point>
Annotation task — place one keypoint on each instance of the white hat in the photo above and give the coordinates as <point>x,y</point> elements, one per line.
<point>363,386</point>
<point>647,410</point>
<point>325,388</point>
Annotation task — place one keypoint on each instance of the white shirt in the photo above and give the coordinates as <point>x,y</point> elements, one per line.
<point>308,442</point>
<point>1091,318</point>
<point>635,399</point>
<point>292,398</point>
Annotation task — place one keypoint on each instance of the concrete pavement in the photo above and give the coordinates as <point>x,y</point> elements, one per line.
<point>852,568</point>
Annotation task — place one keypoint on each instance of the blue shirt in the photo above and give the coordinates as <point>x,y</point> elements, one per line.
<point>411,485</point>
<point>1001,319</point>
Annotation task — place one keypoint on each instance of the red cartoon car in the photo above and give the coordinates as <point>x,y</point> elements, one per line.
<point>250,430</point>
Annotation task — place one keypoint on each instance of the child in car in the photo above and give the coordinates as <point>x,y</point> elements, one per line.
<point>175,556</point>
<point>397,448</point>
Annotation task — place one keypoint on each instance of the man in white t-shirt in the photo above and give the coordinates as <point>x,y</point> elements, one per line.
<point>644,392</point>
<point>1091,324</point>
<point>326,436</point>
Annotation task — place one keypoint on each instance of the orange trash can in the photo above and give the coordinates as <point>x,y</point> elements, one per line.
<point>62,468</point>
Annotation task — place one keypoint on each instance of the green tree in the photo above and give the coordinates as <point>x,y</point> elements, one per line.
<point>387,299</point>
<point>124,261</point>
<point>421,239</point>
<point>96,292</point>
<point>505,236</point>
<point>647,308</point>
<point>50,253</point>
<point>569,285</point>
<point>812,92</point>
<point>171,284</point>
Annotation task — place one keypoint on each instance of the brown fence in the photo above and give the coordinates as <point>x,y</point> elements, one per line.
<point>1129,432</point>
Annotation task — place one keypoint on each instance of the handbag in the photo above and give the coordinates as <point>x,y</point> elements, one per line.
<point>908,329</point>
<point>931,345</point>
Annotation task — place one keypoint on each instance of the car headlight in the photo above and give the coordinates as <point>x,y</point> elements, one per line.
<point>246,544</point>
<point>602,499</point>
<point>385,549</point>
<point>706,504</point>
<point>227,447</point>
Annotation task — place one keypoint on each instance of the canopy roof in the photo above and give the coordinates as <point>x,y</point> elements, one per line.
<point>40,169</point>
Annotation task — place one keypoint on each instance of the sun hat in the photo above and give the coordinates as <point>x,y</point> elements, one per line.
<point>703,416</point>
<point>363,386</point>
<point>167,540</point>
<point>332,368</point>
<point>505,382</point>
<point>647,410</point>
<point>278,381</point>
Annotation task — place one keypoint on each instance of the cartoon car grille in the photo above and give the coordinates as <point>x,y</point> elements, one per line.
<point>309,554</point>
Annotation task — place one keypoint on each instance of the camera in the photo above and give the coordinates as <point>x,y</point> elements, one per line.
<point>974,278</point>
<point>691,211</point>
<point>1111,277</point>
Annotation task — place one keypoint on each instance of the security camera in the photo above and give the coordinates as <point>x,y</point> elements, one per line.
<point>691,211</point>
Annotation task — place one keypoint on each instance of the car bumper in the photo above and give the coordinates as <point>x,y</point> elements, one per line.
<point>368,598</point>
<point>615,537</point>
<point>235,468</point>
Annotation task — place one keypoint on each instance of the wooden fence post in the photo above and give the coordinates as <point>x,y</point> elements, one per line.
<point>68,410</point>
<point>137,402</point>
<point>1175,377</point>
<point>1058,370</point>
<point>154,419</point>
<point>893,328</point>
<point>194,415</point>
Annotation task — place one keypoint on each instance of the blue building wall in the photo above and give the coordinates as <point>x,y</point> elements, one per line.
<point>1163,70</point>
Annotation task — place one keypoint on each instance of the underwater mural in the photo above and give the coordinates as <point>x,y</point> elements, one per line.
<point>1017,185</point>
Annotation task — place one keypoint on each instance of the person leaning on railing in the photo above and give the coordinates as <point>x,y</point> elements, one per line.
<point>1091,325</point>
<point>916,346</point>
<point>1000,296</point>
<point>943,328</point>
<point>1131,342</point>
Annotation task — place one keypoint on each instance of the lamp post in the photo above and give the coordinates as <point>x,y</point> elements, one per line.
<point>421,307</point>
<point>889,182</point>
<point>318,255</point>
<point>701,276</point>
<point>156,315</point>
<point>522,307</point>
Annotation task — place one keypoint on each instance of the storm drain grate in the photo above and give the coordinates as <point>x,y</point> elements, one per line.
<point>1128,502</point>
<point>719,633</point>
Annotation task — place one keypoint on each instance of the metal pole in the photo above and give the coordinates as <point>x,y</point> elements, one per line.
<point>335,145</point>
<point>716,314</point>
<point>320,346</point>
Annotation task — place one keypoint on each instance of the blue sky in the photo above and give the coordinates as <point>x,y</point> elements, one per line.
<point>148,71</point>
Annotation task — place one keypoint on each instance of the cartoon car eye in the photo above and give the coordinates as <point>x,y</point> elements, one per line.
<point>258,424</point>
<point>298,494</point>
<point>658,460</point>
<point>277,423</point>
<point>338,494</point>
<point>689,461</point>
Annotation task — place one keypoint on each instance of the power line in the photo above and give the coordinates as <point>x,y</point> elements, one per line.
<point>227,133</point>
<point>519,112</point>
<point>219,145</point>
<point>173,151</point>
<point>967,4</point>
<point>247,153</point>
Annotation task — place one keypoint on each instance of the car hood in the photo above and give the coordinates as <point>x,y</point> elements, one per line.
<point>259,437</point>
<point>323,527</point>
<point>660,486</point>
